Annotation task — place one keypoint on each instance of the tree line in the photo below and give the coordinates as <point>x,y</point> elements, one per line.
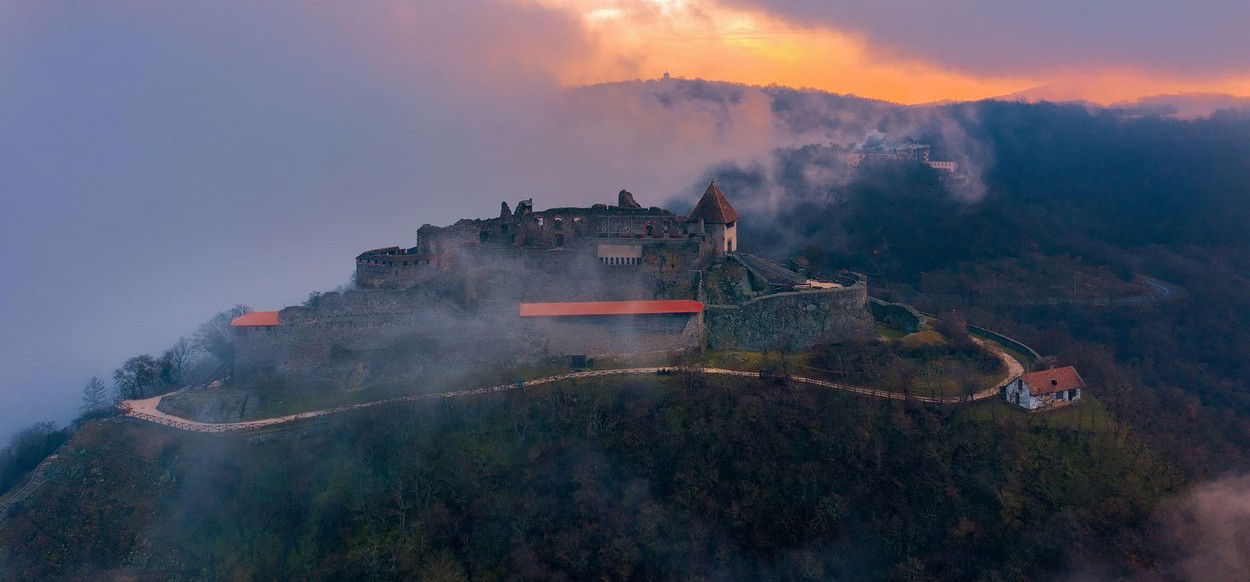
<point>207,354</point>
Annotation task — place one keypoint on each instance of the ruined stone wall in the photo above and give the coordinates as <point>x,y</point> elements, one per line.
<point>560,227</point>
<point>615,335</point>
<point>793,320</point>
<point>654,225</point>
<point>308,335</point>
<point>391,270</point>
<point>670,246</point>
<point>896,315</point>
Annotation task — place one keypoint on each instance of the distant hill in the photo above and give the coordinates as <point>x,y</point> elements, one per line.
<point>1179,106</point>
<point>1188,105</point>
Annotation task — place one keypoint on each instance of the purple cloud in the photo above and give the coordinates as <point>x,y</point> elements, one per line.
<point>1198,37</point>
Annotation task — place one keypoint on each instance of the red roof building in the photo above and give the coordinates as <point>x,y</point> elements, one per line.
<point>256,319</point>
<point>590,308</point>
<point>1053,380</point>
<point>1045,388</point>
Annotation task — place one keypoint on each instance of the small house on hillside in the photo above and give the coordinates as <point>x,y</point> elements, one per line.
<point>1047,388</point>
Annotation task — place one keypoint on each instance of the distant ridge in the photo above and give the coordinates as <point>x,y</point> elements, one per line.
<point>1178,105</point>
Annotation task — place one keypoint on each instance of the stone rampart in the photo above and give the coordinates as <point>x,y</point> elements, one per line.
<point>793,320</point>
<point>896,315</point>
<point>615,335</point>
<point>307,335</point>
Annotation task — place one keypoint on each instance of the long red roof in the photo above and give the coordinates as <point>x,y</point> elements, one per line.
<point>256,319</point>
<point>652,307</point>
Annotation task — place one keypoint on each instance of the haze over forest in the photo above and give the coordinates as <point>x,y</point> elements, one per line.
<point>162,164</point>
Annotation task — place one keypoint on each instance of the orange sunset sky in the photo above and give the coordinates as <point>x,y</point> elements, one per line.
<point>746,42</point>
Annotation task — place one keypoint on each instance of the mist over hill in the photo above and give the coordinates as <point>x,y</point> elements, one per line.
<point>661,138</point>
<point>1059,201</point>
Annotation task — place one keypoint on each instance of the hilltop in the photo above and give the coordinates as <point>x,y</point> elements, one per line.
<point>646,477</point>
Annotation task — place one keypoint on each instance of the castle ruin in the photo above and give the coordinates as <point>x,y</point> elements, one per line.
<point>598,281</point>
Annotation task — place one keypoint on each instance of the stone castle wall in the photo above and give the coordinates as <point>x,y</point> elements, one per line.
<point>792,320</point>
<point>308,335</point>
<point>615,335</point>
<point>896,315</point>
<point>338,325</point>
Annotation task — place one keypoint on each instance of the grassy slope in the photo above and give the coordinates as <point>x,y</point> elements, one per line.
<point>642,477</point>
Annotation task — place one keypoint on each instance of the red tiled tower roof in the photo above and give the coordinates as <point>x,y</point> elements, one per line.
<point>713,207</point>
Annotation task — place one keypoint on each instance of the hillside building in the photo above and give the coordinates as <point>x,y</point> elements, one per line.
<point>906,151</point>
<point>1045,389</point>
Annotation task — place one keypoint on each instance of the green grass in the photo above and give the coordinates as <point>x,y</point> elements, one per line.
<point>739,360</point>
<point>1086,415</point>
<point>886,332</point>
<point>925,337</point>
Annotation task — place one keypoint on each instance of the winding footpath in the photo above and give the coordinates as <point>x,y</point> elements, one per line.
<point>146,409</point>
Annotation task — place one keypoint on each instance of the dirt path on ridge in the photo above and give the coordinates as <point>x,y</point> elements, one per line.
<point>146,409</point>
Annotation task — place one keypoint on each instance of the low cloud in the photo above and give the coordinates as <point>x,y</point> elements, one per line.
<point>161,162</point>
<point>1208,531</point>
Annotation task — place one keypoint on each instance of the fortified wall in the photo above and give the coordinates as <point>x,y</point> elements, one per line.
<point>626,235</point>
<point>793,320</point>
<point>459,296</point>
<point>616,335</point>
<point>306,336</point>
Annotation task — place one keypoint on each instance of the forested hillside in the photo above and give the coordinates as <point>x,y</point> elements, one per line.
<point>1073,201</point>
<point>678,477</point>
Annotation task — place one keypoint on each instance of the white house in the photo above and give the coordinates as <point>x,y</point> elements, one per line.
<point>1055,387</point>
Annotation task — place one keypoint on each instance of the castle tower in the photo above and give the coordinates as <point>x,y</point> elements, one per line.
<point>719,219</point>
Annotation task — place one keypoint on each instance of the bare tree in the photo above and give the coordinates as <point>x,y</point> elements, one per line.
<point>173,362</point>
<point>953,326</point>
<point>214,338</point>
<point>136,377</point>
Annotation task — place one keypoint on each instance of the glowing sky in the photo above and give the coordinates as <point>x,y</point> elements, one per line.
<point>965,50</point>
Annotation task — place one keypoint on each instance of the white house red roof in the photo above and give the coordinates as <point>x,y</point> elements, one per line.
<point>575,308</point>
<point>256,319</point>
<point>1053,380</point>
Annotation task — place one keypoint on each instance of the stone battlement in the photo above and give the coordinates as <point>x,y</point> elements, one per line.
<point>457,291</point>
<point>792,320</point>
